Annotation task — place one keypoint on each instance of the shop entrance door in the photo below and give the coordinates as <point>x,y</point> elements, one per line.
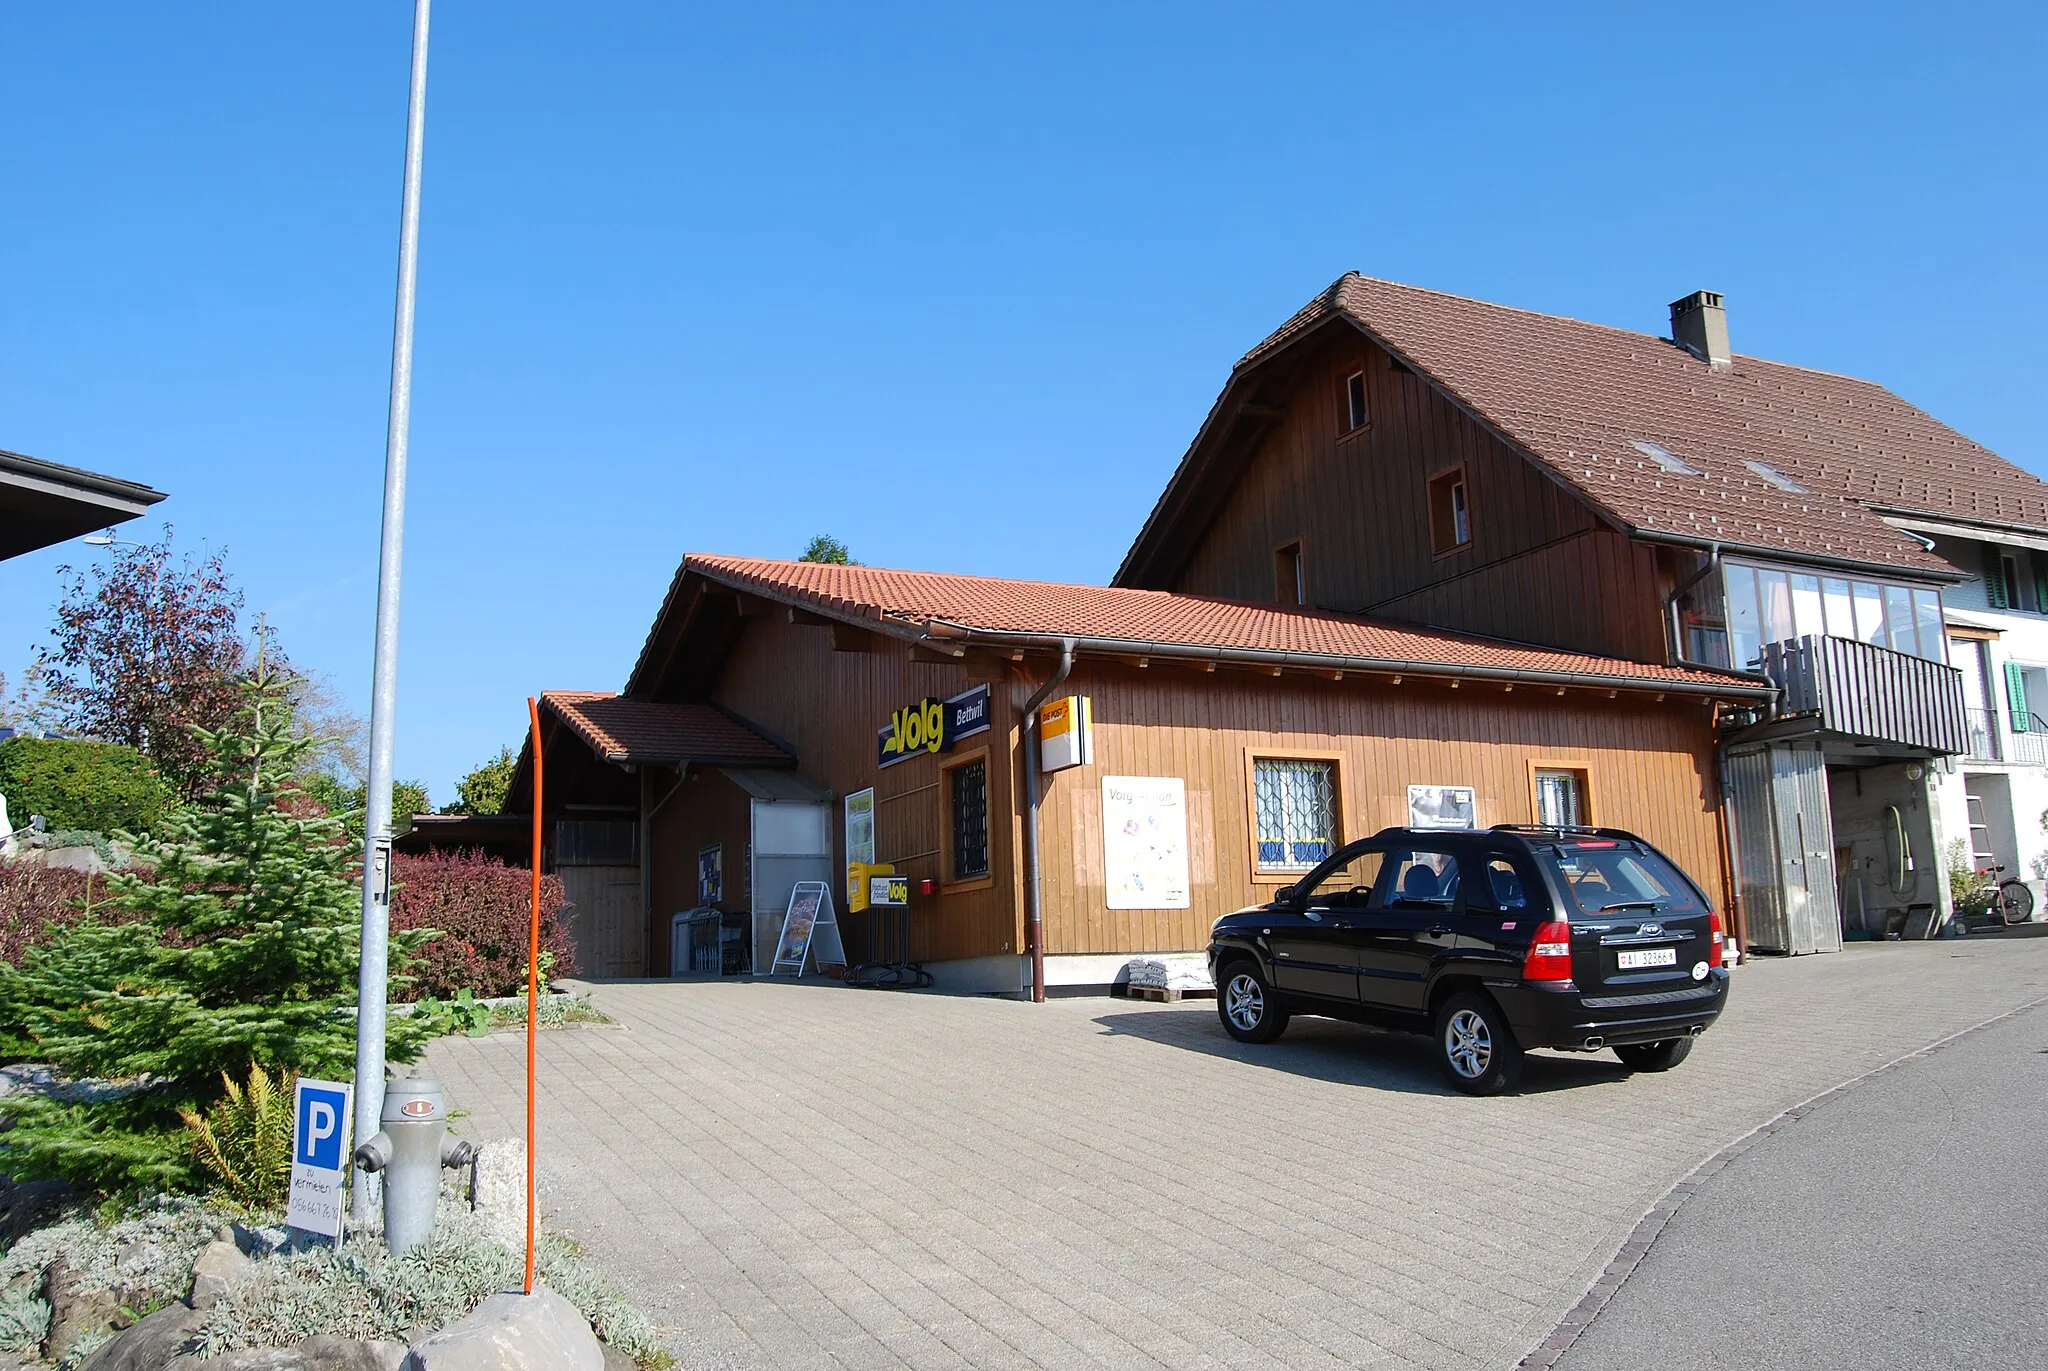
<point>792,842</point>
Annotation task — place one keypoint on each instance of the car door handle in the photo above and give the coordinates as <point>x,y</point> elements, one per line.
<point>1439,931</point>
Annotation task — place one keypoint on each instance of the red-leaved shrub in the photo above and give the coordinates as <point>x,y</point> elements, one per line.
<point>35,901</point>
<point>482,908</point>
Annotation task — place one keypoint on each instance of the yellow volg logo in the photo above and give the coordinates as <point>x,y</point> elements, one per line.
<point>914,728</point>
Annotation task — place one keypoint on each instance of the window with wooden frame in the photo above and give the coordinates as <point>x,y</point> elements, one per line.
<point>1450,512</point>
<point>1561,796</point>
<point>1288,586</point>
<point>1356,413</point>
<point>967,824</point>
<point>1294,812</point>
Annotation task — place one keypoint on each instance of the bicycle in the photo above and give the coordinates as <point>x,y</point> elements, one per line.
<point>1998,903</point>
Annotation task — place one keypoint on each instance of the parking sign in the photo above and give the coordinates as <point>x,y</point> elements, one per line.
<point>320,1155</point>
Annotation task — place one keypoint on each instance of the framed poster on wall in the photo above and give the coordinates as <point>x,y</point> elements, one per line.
<point>1145,842</point>
<point>860,837</point>
<point>1442,806</point>
<point>711,874</point>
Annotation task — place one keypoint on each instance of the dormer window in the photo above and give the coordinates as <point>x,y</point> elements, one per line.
<point>1771,475</point>
<point>1665,459</point>
<point>1356,413</point>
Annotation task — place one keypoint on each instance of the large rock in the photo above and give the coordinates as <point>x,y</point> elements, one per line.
<point>615,1360</point>
<point>500,1196</point>
<point>151,1344</point>
<point>537,1332</point>
<point>219,1268</point>
<point>76,1311</point>
<point>246,1359</point>
<point>326,1352</point>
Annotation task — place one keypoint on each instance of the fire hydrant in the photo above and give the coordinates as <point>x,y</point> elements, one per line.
<point>408,1154</point>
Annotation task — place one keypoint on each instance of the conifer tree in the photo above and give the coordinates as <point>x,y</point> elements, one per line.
<point>234,945</point>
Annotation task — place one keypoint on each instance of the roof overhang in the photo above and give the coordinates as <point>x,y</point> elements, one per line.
<point>1981,533</point>
<point>42,503</point>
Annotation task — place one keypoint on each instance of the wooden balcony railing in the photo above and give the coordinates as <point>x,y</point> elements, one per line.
<point>1871,693</point>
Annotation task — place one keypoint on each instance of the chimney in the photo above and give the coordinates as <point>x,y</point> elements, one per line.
<point>1700,326</point>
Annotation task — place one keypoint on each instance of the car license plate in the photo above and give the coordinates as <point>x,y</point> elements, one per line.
<point>1638,958</point>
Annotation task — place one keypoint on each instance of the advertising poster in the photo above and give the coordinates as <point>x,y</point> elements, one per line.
<point>711,874</point>
<point>1145,842</point>
<point>1442,806</point>
<point>797,924</point>
<point>860,841</point>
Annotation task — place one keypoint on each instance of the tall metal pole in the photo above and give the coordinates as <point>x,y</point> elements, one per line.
<point>370,1017</point>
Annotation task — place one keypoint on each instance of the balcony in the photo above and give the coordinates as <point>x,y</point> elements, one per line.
<point>1871,694</point>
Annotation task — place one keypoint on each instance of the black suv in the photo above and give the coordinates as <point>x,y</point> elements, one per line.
<point>1494,940</point>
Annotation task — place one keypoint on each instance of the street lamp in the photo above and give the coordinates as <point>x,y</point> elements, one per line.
<point>376,940</point>
<point>107,539</point>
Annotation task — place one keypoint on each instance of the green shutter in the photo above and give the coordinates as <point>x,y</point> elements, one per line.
<point>2016,697</point>
<point>1994,579</point>
<point>2040,584</point>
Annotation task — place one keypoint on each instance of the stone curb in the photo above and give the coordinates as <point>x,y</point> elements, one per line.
<point>1643,1236</point>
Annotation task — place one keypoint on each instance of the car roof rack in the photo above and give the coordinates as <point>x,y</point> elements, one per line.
<point>1561,830</point>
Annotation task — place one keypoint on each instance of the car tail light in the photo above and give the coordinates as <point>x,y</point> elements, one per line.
<point>1550,956</point>
<point>1720,931</point>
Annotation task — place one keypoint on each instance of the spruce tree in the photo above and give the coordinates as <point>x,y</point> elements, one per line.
<point>233,945</point>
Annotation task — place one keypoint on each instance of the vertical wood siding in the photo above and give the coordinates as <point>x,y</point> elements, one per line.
<point>826,706</point>
<point>1648,767</point>
<point>1540,566</point>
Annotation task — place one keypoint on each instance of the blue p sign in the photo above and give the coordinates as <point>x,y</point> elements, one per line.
<point>322,1114</point>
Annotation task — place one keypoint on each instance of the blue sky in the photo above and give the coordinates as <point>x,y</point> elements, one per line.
<point>721,277</point>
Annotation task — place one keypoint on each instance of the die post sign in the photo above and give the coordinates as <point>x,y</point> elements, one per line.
<point>931,726</point>
<point>320,1156</point>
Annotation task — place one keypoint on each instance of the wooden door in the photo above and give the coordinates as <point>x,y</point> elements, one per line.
<point>605,920</point>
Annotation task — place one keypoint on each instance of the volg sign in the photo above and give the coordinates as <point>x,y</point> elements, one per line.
<point>931,726</point>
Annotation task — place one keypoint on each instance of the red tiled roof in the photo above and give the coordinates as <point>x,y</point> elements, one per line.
<point>622,730</point>
<point>912,601</point>
<point>1577,396</point>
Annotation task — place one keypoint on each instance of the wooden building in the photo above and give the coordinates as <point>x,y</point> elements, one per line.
<point>1233,743</point>
<point>1398,452</point>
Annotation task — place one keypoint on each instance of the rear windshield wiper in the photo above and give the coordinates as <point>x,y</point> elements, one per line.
<point>1631,904</point>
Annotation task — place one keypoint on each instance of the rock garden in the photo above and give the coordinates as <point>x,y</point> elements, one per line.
<point>157,1016</point>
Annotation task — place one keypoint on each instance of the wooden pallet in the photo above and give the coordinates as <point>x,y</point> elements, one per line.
<point>1159,994</point>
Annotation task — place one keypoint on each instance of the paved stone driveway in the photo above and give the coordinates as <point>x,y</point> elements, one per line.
<point>798,1176</point>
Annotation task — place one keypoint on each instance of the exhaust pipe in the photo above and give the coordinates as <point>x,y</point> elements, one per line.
<point>1596,1042</point>
<point>1698,1029</point>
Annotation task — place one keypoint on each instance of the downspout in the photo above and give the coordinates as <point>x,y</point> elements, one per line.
<point>1738,908</point>
<point>1034,920</point>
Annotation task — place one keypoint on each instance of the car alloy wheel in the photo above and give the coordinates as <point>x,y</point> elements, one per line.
<point>1468,1043</point>
<point>1244,1000</point>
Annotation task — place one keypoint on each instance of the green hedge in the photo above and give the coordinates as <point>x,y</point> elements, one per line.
<point>80,785</point>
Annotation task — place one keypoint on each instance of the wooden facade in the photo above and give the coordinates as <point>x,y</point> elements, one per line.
<point>1541,564</point>
<point>1646,761</point>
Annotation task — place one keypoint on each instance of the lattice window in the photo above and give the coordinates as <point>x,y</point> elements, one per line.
<point>970,820</point>
<point>1297,812</point>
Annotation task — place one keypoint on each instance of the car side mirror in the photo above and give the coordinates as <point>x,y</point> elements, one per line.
<point>1287,894</point>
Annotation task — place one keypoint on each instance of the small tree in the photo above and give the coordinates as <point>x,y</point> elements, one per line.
<point>826,548</point>
<point>148,653</point>
<point>483,790</point>
<point>235,947</point>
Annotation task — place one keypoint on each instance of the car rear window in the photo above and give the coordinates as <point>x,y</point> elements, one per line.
<point>1610,877</point>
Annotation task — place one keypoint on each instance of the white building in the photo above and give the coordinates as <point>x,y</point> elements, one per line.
<point>1996,795</point>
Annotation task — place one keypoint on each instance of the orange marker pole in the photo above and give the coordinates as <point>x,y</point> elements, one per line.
<point>533,1003</point>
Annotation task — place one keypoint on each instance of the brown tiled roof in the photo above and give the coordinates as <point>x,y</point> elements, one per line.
<point>622,730</point>
<point>911,603</point>
<point>1578,396</point>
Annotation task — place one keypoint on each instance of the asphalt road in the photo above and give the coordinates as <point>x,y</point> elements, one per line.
<point>1902,1224</point>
